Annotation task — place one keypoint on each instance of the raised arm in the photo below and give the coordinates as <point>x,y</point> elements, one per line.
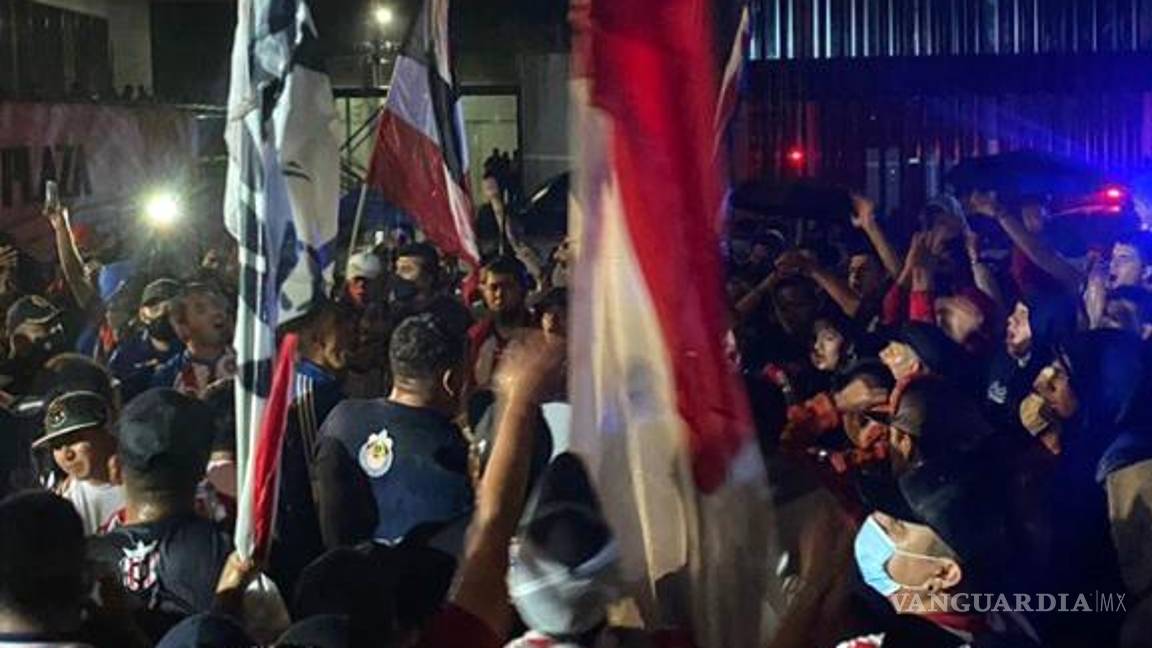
<point>481,588</point>
<point>831,283</point>
<point>70,262</point>
<point>1035,248</point>
<point>864,219</point>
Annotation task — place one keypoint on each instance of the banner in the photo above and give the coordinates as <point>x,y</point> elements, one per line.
<point>103,158</point>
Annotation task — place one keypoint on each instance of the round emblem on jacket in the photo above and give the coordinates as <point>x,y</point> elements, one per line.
<point>376,454</point>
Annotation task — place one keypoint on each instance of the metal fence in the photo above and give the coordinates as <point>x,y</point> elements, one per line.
<point>799,29</point>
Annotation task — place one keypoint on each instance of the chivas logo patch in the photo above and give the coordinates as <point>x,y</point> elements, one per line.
<point>138,566</point>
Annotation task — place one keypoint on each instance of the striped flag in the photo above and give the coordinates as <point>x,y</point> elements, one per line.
<point>420,162</point>
<point>729,97</point>
<point>659,414</point>
<point>281,206</point>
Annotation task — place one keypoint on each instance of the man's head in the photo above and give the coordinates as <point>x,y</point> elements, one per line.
<point>1131,263</point>
<point>505,285</point>
<point>428,361</point>
<point>1018,334</point>
<point>490,187</point>
<point>35,329</point>
<point>223,262</point>
<point>81,407</point>
<point>1129,308</point>
<point>155,308</point>
<point>165,440</point>
<point>796,303</point>
<point>327,335</point>
<point>419,265</point>
<point>42,568</point>
<point>200,316</point>
<point>865,274</point>
<point>363,272</point>
<point>863,392</point>
<point>563,574</point>
<point>898,556</point>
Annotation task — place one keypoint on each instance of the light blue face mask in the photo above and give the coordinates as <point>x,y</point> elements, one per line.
<point>873,551</point>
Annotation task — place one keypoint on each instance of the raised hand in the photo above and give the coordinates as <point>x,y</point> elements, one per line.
<point>863,212</point>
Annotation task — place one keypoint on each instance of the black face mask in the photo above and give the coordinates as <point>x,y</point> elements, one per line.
<point>404,291</point>
<point>161,329</point>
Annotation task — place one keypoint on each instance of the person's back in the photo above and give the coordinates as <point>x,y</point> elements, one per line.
<point>385,466</point>
<point>163,556</point>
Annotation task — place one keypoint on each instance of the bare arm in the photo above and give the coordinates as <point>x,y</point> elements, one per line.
<point>864,218</point>
<point>70,262</point>
<point>837,288</point>
<point>750,302</point>
<point>481,588</point>
<point>1038,251</point>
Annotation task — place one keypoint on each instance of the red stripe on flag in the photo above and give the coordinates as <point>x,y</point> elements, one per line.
<point>652,73</point>
<point>266,466</point>
<point>408,167</point>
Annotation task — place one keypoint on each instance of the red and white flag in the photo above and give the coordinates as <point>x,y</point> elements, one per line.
<point>659,413</point>
<point>729,97</point>
<point>420,162</point>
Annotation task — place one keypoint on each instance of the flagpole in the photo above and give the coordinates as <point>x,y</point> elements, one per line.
<point>359,216</point>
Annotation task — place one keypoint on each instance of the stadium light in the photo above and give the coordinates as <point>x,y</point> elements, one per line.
<point>162,209</point>
<point>383,15</point>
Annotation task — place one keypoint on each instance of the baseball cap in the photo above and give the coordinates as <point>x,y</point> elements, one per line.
<point>31,309</point>
<point>164,429</point>
<point>365,265</point>
<point>159,291</point>
<point>78,394</point>
<point>73,412</point>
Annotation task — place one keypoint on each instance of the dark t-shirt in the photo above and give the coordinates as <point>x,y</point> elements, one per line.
<point>383,468</point>
<point>168,566</point>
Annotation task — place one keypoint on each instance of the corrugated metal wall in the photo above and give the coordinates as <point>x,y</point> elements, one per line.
<point>887,95</point>
<point>800,29</point>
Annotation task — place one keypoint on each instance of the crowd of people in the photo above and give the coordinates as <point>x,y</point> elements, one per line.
<point>940,423</point>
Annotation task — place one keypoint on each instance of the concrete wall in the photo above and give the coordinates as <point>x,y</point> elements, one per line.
<point>544,117</point>
<point>130,33</point>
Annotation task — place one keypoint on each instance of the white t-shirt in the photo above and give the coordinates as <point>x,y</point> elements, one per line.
<point>95,503</point>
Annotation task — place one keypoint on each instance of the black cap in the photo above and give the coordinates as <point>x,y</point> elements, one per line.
<point>31,309</point>
<point>320,631</point>
<point>937,352</point>
<point>164,429</point>
<point>160,291</point>
<point>206,630</point>
<point>73,412</point>
<point>77,393</point>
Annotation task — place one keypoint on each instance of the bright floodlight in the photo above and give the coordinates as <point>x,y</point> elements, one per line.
<point>162,209</point>
<point>383,15</point>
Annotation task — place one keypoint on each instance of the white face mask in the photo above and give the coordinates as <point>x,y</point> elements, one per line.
<point>555,600</point>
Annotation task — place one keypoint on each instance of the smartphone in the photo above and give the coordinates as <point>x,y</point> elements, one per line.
<point>51,195</point>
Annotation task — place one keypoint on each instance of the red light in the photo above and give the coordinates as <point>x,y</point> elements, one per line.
<point>1113,193</point>
<point>796,155</point>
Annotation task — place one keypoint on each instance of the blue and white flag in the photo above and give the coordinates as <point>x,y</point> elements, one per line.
<point>281,206</point>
